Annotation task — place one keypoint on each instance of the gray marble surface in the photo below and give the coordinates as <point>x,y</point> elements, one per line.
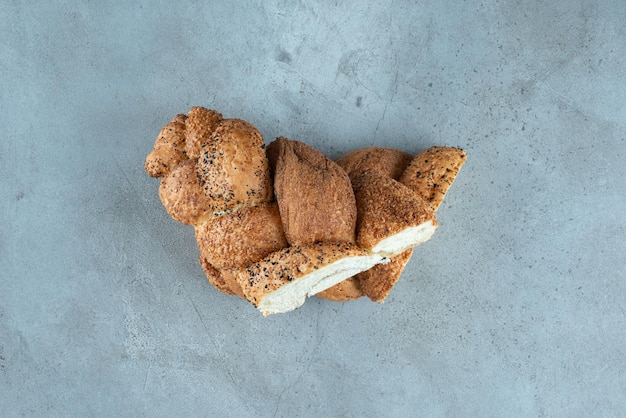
<point>516,307</point>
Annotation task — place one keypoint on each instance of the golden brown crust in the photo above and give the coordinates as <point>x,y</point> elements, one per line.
<point>377,282</point>
<point>314,194</point>
<point>233,168</point>
<point>168,151</point>
<point>388,162</point>
<point>183,197</point>
<point>289,264</point>
<point>344,291</point>
<point>385,208</point>
<point>200,125</point>
<point>215,277</point>
<point>240,238</point>
<point>431,173</point>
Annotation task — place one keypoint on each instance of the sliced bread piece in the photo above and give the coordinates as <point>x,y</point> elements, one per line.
<point>391,218</point>
<point>282,281</point>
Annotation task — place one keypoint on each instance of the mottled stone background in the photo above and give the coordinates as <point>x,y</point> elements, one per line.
<point>516,307</point>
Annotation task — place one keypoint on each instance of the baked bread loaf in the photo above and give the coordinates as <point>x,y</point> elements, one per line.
<point>276,225</point>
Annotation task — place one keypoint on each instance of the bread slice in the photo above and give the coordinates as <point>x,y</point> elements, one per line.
<point>391,218</point>
<point>168,150</point>
<point>388,162</point>
<point>182,196</point>
<point>431,172</point>
<point>314,194</point>
<point>232,167</point>
<point>200,125</point>
<point>282,281</point>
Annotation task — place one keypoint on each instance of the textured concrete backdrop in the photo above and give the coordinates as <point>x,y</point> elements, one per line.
<point>516,307</point>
